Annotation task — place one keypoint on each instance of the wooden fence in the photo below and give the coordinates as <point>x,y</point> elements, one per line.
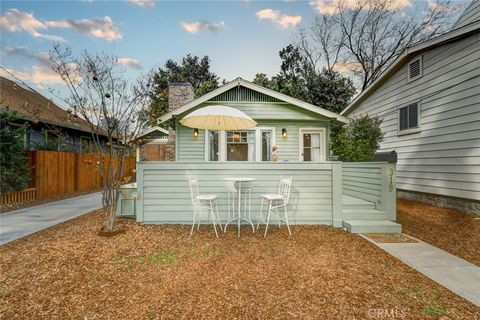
<point>60,173</point>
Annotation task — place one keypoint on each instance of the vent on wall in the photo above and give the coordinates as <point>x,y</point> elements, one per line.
<point>415,69</point>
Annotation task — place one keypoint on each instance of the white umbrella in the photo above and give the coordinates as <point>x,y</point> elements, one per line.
<point>218,118</point>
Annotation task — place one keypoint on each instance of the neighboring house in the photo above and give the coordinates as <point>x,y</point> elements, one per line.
<point>429,100</point>
<point>47,121</point>
<point>152,144</point>
<point>300,131</point>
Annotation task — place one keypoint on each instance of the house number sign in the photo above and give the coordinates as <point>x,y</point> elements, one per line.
<point>390,175</point>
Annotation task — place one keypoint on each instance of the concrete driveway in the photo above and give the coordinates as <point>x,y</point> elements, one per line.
<point>20,223</point>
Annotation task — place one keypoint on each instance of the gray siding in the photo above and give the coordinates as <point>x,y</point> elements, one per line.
<point>165,195</point>
<point>444,156</point>
<point>471,14</point>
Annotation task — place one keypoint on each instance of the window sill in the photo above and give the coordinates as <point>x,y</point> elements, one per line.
<point>409,131</point>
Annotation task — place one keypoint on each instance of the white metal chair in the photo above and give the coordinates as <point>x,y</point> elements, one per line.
<point>207,201</point>
<point>276,201</point>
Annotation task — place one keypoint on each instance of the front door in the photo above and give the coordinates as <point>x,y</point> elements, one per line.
<point>312,145</point>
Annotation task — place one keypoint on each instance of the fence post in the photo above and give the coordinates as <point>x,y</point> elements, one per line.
<point>390,190</point>
<point>337,194</point>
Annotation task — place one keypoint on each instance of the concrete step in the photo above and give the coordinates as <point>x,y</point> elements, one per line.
<point>360,205</point>
<point>372,226</point>
<point>363,214</point>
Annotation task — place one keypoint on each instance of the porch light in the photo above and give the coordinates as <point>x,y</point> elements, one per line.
<point>284,133</point>
<point>195,133</point>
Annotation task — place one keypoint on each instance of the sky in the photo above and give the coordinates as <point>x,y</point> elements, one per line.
<point>241,38</point>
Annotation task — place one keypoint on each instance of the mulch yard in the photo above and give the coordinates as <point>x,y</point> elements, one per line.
<point>153,272</point>
<point>451,230</point>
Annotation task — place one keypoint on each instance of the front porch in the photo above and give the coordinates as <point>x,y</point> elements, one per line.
<point>357,196</point>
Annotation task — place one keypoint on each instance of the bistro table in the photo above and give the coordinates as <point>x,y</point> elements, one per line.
<point>239,217</point>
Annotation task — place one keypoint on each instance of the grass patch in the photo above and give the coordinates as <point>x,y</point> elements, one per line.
<point>164,257</point>
<point>433,308</point>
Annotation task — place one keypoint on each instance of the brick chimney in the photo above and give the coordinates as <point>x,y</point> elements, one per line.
<point>179,93</point>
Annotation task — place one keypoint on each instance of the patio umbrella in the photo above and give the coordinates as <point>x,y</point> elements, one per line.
<point>218,118</point>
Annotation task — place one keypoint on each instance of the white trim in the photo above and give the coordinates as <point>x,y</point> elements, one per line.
<point>446,37</point>
<point>323,142</point>
<point>420,60</point>
<point>410,130</point>
<point>252,86</point>
<point>152,129</point>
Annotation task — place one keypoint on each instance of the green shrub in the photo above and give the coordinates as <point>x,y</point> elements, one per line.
<point>14,169</point>
<point>357,140</point>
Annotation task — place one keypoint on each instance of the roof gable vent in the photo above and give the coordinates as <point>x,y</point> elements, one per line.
<point>415,69</point>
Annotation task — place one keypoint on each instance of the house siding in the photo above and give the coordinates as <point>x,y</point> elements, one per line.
<point>444,156</point>
<point>471,14</point>
<point>277,115</point>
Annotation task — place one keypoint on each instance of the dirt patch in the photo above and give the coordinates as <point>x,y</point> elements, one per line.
<point>451,230</point>
<point>158,272</point>
<point>390,238</point>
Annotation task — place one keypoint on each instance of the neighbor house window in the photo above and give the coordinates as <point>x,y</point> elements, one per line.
<point>409,116</point>
<point>240,145</point>
<point>213,150</point>
<point>85,144</point>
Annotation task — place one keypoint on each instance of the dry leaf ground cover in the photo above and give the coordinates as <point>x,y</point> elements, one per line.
<point>155,272</point>
<point>449,229</point>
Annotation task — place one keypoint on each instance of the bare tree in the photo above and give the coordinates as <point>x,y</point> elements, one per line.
<point>366,37</point>
<point>113,108</point>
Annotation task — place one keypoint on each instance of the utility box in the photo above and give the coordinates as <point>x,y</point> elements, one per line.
<point>127,200</point>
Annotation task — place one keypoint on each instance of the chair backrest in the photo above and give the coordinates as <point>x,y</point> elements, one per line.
<point>194,192</point>
<point>284,187</point>
<point>230,186</point>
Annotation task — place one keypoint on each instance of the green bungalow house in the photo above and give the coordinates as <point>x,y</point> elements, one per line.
<point>291,139</point>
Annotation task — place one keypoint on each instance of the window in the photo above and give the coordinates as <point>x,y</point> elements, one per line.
<point>213,150</point>
<point>408,117</point>
<point>266,145</point>
<point>240,145</point>
<point>415,69</point>
<point>312,144</point>
<point>85,144</point>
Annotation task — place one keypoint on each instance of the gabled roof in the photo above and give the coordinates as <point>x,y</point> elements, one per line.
<point>450,36</point>
<point>153,129</point>
<point>252,86</point>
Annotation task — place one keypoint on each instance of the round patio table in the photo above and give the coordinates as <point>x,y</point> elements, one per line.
<point>239,217</point>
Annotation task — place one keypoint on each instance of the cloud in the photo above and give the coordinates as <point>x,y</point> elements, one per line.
<point>143,3</point>
<point>330,7</point>
<point>9,73</point>
<point>133,63</point>
<point>44,75</point>
<point>347,67</point>
<point>103,28</point>
<point>196,26</point>
<point>39,57</point>
<point>17,21</point>
<point>276,17</point>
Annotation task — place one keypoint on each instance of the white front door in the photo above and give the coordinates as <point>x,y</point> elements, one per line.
<point>312,145</point>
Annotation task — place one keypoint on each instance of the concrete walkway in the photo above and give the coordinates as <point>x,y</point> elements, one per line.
<point>20,223</point>
<point>452,272</point>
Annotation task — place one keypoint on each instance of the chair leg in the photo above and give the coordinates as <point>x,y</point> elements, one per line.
<point>278,217</point>
<point>210,209</point>
<point>199,217</point>
<point>218,218</point>
<point>286,219</point>
<point>260,214</point>
<point>194,219</point>
<point>268,218</point>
